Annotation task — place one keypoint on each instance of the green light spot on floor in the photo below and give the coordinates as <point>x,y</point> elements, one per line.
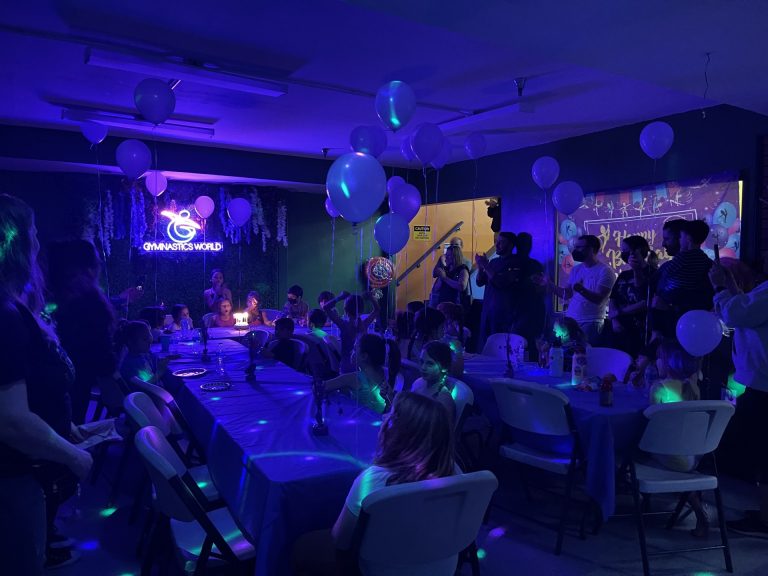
<point>262,422</point>
<point>107,512</point>
<point>215,398</point>
<point>481,553</point>
<point>376,423</point>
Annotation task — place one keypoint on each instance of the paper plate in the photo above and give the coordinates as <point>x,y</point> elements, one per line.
<point>190,372</point>
<point>215,386</point>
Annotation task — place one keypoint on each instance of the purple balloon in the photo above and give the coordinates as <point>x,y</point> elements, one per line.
<point>545,172</point>
<point>155,100</point>
<point>405,149</point>
<point>443,156</point>
<point>331,209</point>
<point>368,139</point>
<point>427,142</point>
<point>239,210</point>
<point>204,206</point>
<point>356,185</point>
<point>391,232</point>
<point>133,157</point>
<point>93,131</point>
<point>567,197</point>
<point>406,201</point>
<point>656,139</point>
<point>394,183</point>
<point>395,104</point>
<point>475,145</point>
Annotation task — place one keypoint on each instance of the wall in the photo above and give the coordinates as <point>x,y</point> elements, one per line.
<point>727,139</point>
<point>63,202</point>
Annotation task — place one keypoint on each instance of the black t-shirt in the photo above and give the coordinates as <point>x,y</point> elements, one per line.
<point>28,353</point>
<point>625,293</point>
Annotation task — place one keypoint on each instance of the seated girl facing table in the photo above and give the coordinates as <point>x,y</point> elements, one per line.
<point>428,325</point>
<point>138,360</point>
<point>154,316</point>
<point>217,291</point>
<point>224,317</point>
<point>352,325</point>
<point>256,316</point>
<point>179,315</point>
<point>371,384</point>
<point>434,365</point>
<point>415,443</point>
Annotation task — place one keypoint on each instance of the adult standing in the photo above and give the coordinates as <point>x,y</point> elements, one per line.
<point>589,289</point>
<point>217,291</point>
<point>528,295</point>
<point>631,296</point>
<point>747,314</point>
<point>451,279</point>
<point>34,403</point>
<point>497,276</point>
<point>85,321</point>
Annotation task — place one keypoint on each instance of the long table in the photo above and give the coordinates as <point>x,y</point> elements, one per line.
<point>604,431</point>
<point>278,479</point>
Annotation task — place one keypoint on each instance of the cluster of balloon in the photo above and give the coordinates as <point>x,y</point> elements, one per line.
<point>443,156</point>
<point>156,182</point>
<point>406,151</point>
<point>427,142</point>
<point>475,145</point>
<point>395,104</point>
<point>134,158</point>
<point>656,139</point>
<point>567,197</point>
<point>356,186</point>
<point>699,332</point>
<point>391,232</point>
<point>369,140</point>
<point>239,211</point>
<point>155,100</point>
<point>204,206</point>
<point>331,209</point>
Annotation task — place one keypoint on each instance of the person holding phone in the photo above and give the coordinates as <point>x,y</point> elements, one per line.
<point>217,291</point>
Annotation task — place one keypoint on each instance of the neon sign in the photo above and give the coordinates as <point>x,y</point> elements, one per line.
<point>181,232</point>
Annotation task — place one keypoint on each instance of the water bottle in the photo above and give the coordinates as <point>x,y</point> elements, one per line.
<point>186,327</point>
<point>220,360</point>
<point>556,360</point>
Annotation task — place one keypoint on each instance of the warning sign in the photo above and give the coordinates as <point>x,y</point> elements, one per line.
<point>423,233</point>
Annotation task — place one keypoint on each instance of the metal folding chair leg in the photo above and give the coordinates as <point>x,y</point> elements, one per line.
<point>640,526</point>
<point>723,530</point>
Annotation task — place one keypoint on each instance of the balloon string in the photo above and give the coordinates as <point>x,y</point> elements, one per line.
<point>95,148</point>
<point>426,223</point>
<point>333,251</point>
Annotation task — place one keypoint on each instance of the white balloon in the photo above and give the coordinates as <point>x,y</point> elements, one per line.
<point>699,332</point>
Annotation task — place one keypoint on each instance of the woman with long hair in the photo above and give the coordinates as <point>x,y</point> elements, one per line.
<point>435,382</point>
<point>451,279</point>
<point>415,443</point>
<point>35,416</point>
<point>372,383</point>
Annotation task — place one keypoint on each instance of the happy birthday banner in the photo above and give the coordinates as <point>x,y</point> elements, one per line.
<point>614,215</point>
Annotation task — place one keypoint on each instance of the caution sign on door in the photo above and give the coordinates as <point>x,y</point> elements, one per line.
<point>422,233</point>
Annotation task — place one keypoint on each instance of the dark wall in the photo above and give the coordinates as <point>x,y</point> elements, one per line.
<point>727,139</point>
<point>63,202</point>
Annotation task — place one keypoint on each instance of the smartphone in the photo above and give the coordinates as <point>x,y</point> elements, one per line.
<point>717,254</point>
<point>141,281</point>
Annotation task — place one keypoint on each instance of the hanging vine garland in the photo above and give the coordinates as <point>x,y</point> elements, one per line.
<point>282,216</point>
<point>258,222</point>
<point>108,219</point>
<point>138,217</point>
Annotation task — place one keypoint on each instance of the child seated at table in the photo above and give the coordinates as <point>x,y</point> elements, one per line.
<point>352,325</point>
<point>295,308</point>
<point>434,365</point>
<point>179,315</point>
<point>371,384</point>
<point>256,316</point>
<point>678,373</point>
<point>282,348</point>
<point>138,360</point>
<point>224,317</point>
<point>322,358</point>
<point>154,316</point>
<point>428,325</point>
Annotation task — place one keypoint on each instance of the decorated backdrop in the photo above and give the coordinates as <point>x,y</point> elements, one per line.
<point>616,214</point>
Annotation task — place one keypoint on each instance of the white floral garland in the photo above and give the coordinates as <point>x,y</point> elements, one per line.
<point>257,220</point>
<point>282,216</point>
<point>108,223</point>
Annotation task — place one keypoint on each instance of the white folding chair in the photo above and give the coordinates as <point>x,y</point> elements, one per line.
<point>690,428</point>
<point>143,412</point>
<point>496,344</point>
<point>535,409</point>
<point>602,361</point>
<point>410,371</point>
<point>464,399</point>
<point>209,538</point>
<point>419,528</point>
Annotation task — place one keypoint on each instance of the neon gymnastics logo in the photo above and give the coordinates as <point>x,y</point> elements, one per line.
<point>181,230</point>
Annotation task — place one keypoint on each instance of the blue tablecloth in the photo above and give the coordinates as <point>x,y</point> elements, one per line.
<point>277,478</point>
<point>605,432</point>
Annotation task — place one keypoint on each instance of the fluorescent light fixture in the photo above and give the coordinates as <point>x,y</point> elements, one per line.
<point>180,69</point>
<point>119,120</point>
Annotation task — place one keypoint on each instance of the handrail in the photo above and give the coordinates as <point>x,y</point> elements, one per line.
<point>456,227</point>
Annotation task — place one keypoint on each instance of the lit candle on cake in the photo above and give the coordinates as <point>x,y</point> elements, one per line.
<point>241,319</point>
